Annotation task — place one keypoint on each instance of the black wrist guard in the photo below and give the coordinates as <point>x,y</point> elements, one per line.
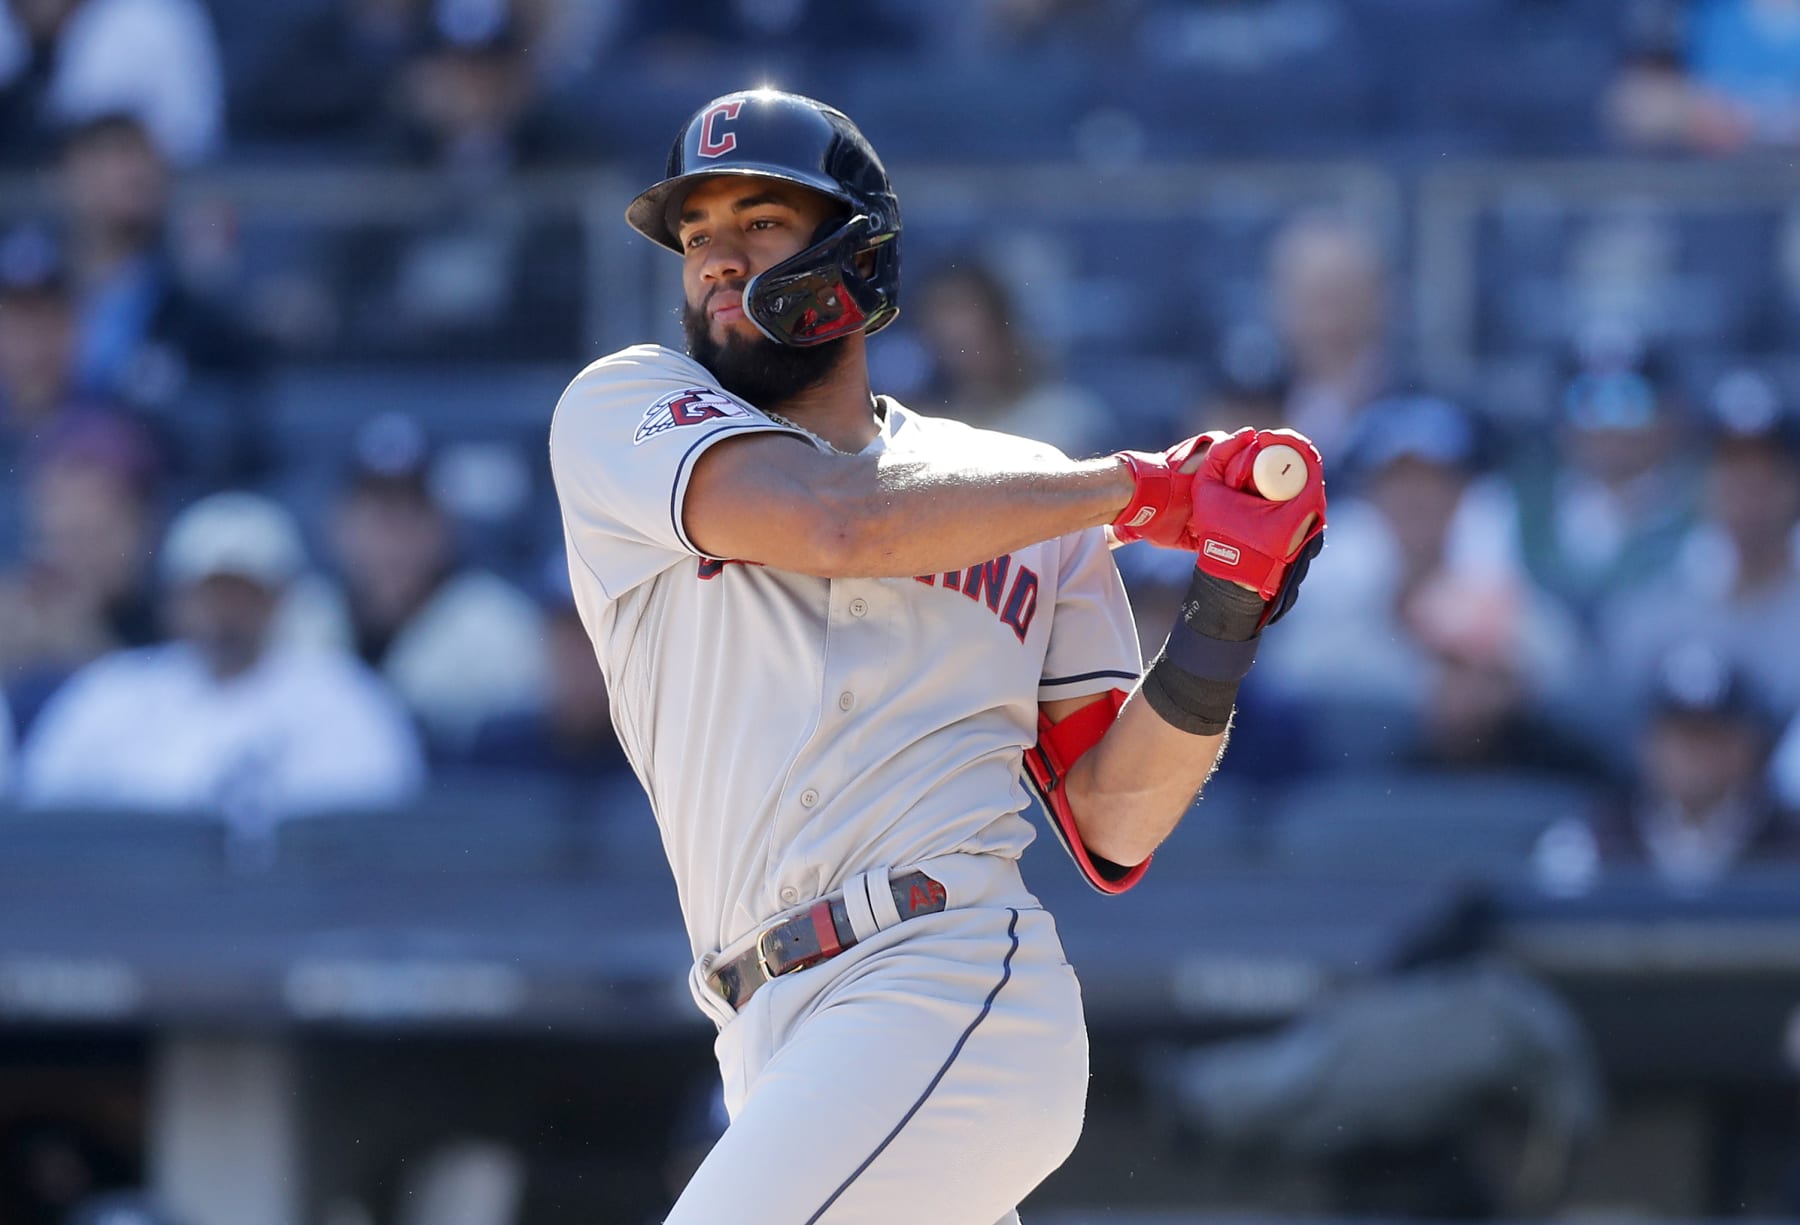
<point>1194,680</point>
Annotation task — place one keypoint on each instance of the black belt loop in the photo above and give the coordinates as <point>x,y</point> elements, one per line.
<point>819,933</point>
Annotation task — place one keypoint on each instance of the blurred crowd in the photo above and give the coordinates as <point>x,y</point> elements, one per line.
<point>1598,588</point>
<point>1595,582</point>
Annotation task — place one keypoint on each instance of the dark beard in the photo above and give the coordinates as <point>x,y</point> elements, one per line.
<point>759,372</point>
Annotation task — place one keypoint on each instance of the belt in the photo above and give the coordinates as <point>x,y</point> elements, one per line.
<point>818,933</point>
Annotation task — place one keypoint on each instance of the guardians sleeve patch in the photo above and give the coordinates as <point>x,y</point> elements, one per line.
<point>691,406</point>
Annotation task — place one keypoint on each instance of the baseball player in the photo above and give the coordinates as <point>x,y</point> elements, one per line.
<point>836,634</point>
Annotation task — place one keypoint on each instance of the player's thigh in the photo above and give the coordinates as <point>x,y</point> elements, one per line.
<point>941,1081</point>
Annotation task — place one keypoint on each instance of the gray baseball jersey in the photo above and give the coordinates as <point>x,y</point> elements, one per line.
<point>792,731</point>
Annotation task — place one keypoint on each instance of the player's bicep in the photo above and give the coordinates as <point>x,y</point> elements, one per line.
<point>773,499</point>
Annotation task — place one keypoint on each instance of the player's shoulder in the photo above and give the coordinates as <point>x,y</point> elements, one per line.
<point>645,390</point>
<point>629,376</point>
<point>909,429</point>
<point>643,362</point>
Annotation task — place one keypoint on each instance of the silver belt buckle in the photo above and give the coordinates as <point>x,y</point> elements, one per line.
<point>762,955</point>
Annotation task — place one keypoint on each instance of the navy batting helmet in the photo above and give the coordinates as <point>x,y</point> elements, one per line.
<point>821,293</point>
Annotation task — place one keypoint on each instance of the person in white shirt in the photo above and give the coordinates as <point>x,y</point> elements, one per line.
<point>220,719</point>
<point>157,60</point>
<point>458,643</point>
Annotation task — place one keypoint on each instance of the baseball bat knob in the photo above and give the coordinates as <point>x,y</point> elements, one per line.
<point>1279,473</point>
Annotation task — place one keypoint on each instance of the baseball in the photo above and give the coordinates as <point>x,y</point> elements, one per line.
<point>1279,473</point>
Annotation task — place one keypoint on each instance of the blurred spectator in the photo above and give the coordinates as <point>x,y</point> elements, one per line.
<point>1605,501</point>
<point>1383,1086</point>
<point>218,719</point>
<point>570,732</point>
<point>1701,805</point>
<point>37,337</point>
<point>469,102</point>
<point>460,646</point>
<point>83,586</point>
<point>1738,585</point>
<point>49,1164</point>
<point>1784,770</point>
<point>1653,103</point>
<point>1079,25</point>
<point>332,73</point>
<point>1483,710</point>
<point>145,331</point>
<point>70,61</point>
<point>1424,511</point>
<point>1747,52</point>
<point>1329,293</point>
<point>465,1181</point>
<point>1250,384</point>
<point>338,74</point>
<point>481,273</point>
<point>980,367</point>
<point>1715,78</point>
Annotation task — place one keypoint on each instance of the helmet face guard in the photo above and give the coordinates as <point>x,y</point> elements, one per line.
<point>821,295</point>
<point>848,279</point>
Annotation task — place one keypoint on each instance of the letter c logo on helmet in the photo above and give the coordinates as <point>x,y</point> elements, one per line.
<point>712,144</point>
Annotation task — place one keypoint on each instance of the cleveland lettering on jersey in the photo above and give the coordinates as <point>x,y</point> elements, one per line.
<point>986,581</point>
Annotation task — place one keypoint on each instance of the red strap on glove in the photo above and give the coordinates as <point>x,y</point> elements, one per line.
<point>1163,504</point>
<point>1240,535</point>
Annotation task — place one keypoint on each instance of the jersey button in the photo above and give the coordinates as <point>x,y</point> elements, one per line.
<point>858,607</point>
<point>846,700</point>
<point>789,896</point>
<point>808,798</point>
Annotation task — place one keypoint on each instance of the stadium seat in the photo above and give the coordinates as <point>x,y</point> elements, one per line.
<point>1703,276</point>
<point>317,404</point>
<point>110,845</point>
<point>477,830</point>
<point>1350,735</point>
<point>1403,820</point>
<point>1244,80</point>
<point>1488,76</point>
<point>1013,109</point>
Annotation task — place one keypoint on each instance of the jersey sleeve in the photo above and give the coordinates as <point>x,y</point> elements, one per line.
<point>623,444</point>
<point>1093,639</point>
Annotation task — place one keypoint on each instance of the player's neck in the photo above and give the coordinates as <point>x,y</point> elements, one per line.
<point>840,410</point>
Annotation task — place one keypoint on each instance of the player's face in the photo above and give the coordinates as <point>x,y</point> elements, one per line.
<point>732,228</point>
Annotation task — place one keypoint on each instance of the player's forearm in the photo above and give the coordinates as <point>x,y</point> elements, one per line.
<point>898,516</point>
<point>1130,790</point>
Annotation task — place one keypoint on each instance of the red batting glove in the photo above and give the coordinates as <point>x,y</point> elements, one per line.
<point>1163,503</point>
<point>1240,535</point>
